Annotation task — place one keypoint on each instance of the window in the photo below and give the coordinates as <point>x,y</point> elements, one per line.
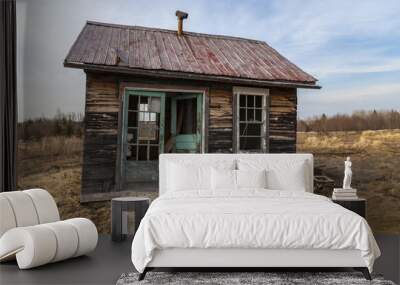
<point>143,128</point>
<point>250,126</point>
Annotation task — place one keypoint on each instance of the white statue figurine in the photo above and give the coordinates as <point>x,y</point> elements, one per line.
<point>347,174</point>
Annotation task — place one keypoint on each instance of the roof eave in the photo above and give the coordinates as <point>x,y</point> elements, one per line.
<point>192,76</point>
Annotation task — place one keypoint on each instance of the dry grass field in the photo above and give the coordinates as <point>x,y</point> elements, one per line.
<point>54,163</point>
<point>376,164</point>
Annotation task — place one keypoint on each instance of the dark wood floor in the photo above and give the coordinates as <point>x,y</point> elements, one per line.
<point>110,260</point>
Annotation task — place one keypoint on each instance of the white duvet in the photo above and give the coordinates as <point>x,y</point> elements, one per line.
<point>250,219</point>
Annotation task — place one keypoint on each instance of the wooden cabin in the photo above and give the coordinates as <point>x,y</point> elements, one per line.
<point>152,91</point>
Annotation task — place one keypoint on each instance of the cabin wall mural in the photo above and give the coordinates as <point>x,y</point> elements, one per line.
<point>148,91</point>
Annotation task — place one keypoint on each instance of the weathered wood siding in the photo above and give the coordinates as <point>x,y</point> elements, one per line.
<point>220,119</point>
<point>282,120</point>
<point>101,134</point>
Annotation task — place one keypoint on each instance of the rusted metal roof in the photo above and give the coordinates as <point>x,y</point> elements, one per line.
<point>119,47</point>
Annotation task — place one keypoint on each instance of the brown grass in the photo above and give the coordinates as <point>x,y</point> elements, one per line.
<point>50,146</point>
<point>349,142</point>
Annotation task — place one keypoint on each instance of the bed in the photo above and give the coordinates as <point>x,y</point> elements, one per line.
<point>247,210</point>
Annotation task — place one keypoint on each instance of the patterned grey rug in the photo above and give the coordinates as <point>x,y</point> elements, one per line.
<point>232,278</point>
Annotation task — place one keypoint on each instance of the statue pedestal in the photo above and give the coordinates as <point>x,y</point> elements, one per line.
<point>345,190</point>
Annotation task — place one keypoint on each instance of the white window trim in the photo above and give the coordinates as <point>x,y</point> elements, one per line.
<point>237,91</point>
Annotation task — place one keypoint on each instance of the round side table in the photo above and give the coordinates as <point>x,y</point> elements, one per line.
<point>120,208</point>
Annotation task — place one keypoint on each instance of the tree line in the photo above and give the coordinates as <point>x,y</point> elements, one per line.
<point>357,121</point>
<point>70,124</point>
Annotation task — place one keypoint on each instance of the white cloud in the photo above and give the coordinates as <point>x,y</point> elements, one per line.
<point>303,23</point>
<point>335,37</point>
<point>349,63</point>
<point>369,92</point>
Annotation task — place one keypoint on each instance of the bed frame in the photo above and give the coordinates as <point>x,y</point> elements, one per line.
<point>240,259</point>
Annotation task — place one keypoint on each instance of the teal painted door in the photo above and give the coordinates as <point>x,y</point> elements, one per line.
<point>143,137</point>
<point>186,122</point>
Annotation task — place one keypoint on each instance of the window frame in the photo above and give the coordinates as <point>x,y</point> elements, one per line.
<point>125,128</point>
<point>237,92</point>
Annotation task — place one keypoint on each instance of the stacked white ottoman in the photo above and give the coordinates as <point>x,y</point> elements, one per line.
<point>31,230</point>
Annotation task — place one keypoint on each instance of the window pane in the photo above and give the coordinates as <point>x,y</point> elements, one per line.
<point>143,116</point>
<point>250,129</point>
<point>132,136</point>
<point>132,119</point>
<point>250,101</point>
<point>258,101</point>
<point>131,152</point>
<point>155,139</point>
<point>242,115</point>
<point>144,100</point>
<point>148,131</point>
<point>144,139</point>
<point>153,152</point>
<point>155,104</point>
<point>242,101</point>
<point>243,129</point>
<point>258,115</point>
<point>142,152</point>
<point>133,103</point>
<point>250,115</point>
<point>250,144</point>
<point>143,107</point>
<point>254,129</point>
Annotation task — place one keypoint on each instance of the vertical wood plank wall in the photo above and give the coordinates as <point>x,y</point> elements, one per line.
<point>282,120</point>
<point>101,124</point>
<point>101,133</point>
<point>220,120</point>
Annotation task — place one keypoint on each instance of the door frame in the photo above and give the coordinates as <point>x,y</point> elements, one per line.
<point>199,115</point>
<point>135,86</point>
<point>124,129</point>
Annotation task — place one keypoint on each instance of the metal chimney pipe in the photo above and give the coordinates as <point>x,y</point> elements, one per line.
<point>181,16</point>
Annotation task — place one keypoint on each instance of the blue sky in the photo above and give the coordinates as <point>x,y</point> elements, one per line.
<point>352,47</point>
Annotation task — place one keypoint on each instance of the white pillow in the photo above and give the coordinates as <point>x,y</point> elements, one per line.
<point>251,178</point>
<point>223,179</point>
<point>287,177</point>
<point>281,174</point>
<point>183,177</point>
